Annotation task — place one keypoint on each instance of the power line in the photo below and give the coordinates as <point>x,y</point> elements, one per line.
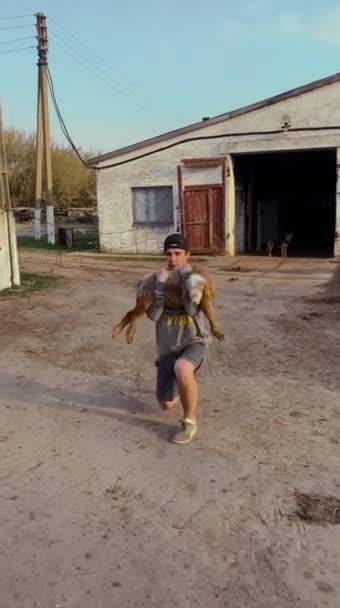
<point>17,40</point>
<point>98,71</point>
<point>15,17</point>
<point>85,58</point>
<point>175,143</point>
<point>15,50</point>
<point>119,101</point>
<point>84,64</point>
<point>219,136</point>
<point>61,121</point>
<point>93,53</point>
<point>16,27</point>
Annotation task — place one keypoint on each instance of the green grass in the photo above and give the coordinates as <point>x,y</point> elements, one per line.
<point>84,239</point>
<point>31,243</point>
<point>30,283</point>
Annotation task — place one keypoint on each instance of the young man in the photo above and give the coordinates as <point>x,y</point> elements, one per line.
<point>182,341</point>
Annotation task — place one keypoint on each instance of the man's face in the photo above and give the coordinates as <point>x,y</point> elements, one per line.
<point>176,258</point>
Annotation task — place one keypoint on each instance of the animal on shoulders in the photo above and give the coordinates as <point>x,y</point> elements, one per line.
<point>197,282</point>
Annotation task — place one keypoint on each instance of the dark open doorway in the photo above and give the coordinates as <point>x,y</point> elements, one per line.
<point>288,192</point>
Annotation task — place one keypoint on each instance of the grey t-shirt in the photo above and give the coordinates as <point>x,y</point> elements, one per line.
<point>176,329</point>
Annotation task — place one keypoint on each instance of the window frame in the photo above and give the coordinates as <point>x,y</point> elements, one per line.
<point>151,223</point>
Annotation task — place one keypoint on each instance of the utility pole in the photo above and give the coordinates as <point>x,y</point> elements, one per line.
<point>5,199</point>
<point>9,260</point>
<point>43,142</point>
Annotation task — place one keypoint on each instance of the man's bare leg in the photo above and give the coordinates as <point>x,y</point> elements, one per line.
<point>169,405</point>
<point>187,388</point>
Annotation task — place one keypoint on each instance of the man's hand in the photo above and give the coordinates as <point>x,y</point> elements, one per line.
<point>164,274</point>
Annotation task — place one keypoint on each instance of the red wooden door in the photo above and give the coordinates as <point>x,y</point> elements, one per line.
<point>203,216</point>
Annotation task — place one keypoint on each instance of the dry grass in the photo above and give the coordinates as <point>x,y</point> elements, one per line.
<point>317,508</point>
<point>324,298</point>
<point>30,282</point>
<point>233,268</point>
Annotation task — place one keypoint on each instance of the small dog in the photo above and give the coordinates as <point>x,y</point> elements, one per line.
<point>201,289</point>
<point>282,245</point>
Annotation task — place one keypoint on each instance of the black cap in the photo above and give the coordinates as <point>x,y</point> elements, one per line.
<point>175,241</point>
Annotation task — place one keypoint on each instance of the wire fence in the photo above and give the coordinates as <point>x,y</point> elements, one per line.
<point>58,258</point>
<point>137,239</point>
<point>113,243</point>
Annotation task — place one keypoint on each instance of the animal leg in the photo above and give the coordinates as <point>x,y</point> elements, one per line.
<point>130,319</point>
<point>131,331</point>
<point>126,320</point>
<point>270,247</point>
<point>209,311</point>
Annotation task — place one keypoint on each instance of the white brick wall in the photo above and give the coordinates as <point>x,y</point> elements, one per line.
<point>320,107</point>
<point>116,229</point>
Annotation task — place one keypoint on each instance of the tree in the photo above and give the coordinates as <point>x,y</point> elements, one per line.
<point>73,184</point>
<point>20,149</point>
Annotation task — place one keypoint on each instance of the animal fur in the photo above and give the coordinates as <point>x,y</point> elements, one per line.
<point>282,245</point>
<point>200,287</point>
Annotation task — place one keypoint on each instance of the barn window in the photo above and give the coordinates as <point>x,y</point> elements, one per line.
<point>153,205</point>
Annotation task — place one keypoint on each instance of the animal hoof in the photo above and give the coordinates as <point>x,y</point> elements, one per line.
<point>129,340</point>
<point>218,335</point>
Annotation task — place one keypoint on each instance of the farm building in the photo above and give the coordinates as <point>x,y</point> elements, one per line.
<point>232,182</point>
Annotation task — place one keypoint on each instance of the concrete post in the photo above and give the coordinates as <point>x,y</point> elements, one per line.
<point>13,248</point>
<point>37,223</point>
<point>50,224</point>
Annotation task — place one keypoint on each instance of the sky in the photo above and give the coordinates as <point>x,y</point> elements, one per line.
<point>125,70</point>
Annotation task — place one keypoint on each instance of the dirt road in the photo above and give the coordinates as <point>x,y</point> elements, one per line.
<point>99,510</point>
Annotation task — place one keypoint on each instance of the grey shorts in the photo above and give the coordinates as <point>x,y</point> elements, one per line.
<point>166,379</point>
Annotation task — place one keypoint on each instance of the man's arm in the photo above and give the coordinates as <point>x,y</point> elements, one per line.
<point>155,310</point>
